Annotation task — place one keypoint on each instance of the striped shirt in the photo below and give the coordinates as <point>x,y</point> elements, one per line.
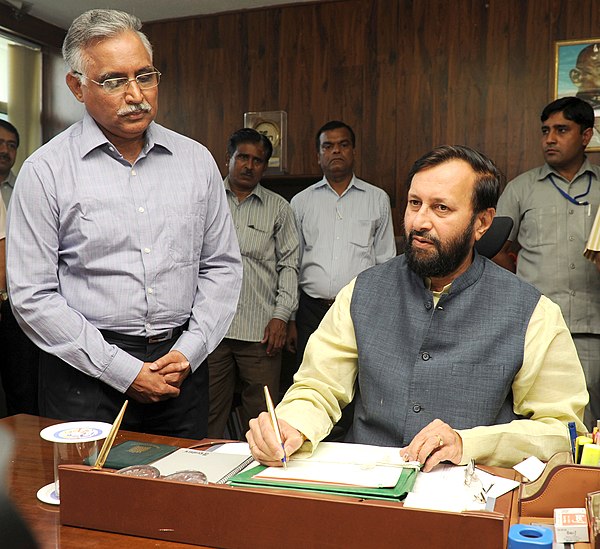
<point>96,243</point>
<point>268,240</point>
<point>341,236</point>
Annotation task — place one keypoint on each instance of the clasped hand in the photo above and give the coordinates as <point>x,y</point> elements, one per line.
<point>161,379</point>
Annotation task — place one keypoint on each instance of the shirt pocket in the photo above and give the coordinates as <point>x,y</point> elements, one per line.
<point>362,233</point>
<point>185,231</point>
<point>539,227</point>
<point>256,241</point>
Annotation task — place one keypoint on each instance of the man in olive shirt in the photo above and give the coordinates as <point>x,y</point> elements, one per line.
<point>553,209</point>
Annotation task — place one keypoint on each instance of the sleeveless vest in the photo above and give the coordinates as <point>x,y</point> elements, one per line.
<point>455,361</point>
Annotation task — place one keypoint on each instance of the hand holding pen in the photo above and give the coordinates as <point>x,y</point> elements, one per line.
<point>264,444</point>
<point>271,410</point>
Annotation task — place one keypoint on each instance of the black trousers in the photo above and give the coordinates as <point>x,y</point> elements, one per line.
<point>308,317</point>
<point>19,361</point>
<point>70,395</point>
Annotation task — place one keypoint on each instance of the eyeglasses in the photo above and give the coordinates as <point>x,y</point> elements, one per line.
<point>145,81</point>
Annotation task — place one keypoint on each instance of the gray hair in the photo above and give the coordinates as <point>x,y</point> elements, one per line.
<point>94,25</point>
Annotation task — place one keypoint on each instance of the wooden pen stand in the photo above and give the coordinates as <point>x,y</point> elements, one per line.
<point>228,517</point>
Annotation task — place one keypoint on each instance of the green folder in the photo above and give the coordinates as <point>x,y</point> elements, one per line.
<point>398,492</point>
<point>135,452</point>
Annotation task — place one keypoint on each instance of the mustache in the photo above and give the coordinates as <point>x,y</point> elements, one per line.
<point>422,234</point>
<point>4,156</point>
<point>144,106</point>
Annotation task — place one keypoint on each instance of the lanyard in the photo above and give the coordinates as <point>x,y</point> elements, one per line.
<point>574,199</point>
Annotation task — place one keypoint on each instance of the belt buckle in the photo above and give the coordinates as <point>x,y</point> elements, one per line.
<point>158,338</point>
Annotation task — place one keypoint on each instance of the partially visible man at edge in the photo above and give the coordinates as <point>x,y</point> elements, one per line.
<point>455,358</point>
<point>553,208</point>
<point>20,357</point>
<point>123,262</point>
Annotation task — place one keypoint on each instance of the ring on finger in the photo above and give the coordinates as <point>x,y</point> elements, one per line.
<point>440,441</point>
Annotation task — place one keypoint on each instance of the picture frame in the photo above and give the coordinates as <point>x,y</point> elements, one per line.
<point>273,124</point>
<point>577,73</point>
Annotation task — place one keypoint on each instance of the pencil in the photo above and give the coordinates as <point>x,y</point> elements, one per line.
<point>271,410</point>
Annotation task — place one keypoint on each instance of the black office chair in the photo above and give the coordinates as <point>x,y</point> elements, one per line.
<point>495,237</point>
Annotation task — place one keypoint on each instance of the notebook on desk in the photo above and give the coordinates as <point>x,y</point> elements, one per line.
<point>218,467</point>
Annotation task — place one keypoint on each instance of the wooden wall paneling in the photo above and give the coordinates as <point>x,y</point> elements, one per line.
<point>496,130</point>
<point>406,75</point>
<point>532,92</point>
<point>412,124</point>
<point>422,78</point>
<point>322,70</point>
<point>379,141</point>
<point>467,87</point>
<point>263,83</point>
<point>303,87</point>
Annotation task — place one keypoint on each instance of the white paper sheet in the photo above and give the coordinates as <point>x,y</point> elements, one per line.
<point>444,489</point>
<point>343,464</point>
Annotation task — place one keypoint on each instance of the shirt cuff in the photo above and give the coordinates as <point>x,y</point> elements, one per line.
<point>189,346</point>
<point>122,370</point>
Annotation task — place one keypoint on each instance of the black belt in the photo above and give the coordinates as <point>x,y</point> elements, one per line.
<point>325,302</point>
<point>171,333</point>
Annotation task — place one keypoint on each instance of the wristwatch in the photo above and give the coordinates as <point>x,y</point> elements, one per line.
<point>3,295</point>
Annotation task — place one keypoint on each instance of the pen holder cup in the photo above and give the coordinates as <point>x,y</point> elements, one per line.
<point>74,453</point>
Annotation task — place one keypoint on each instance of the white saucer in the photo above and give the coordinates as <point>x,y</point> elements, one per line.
<point>47,494</point>
<point>76,431</point>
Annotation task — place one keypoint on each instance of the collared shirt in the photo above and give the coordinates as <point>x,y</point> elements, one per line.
<point>341,236</point>
<point>266,231</point>
<point>549,388</point>
<point>7,186</point>
<point>96,243</point>
<point>552,232</point>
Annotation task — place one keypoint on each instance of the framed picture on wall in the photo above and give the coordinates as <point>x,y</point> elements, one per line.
<point>273,124</point>
<point>577,72</point>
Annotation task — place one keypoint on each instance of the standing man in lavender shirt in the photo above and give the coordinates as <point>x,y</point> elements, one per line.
<point>124,266</point>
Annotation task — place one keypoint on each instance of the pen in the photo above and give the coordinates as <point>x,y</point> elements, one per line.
<point>573,435</point>
<point>110,438</point>
<point>271,410</point>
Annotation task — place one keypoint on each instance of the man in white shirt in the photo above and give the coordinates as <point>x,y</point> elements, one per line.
<point>345,227</point>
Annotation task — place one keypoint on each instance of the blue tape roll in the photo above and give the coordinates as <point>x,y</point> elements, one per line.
<point>526,536</point>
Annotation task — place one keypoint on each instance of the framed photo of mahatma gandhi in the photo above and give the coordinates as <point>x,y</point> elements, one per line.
<point>577,72</point>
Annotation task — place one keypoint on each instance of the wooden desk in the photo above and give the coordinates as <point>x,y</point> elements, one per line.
<point>255,517</point>
<point>32,468</point>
